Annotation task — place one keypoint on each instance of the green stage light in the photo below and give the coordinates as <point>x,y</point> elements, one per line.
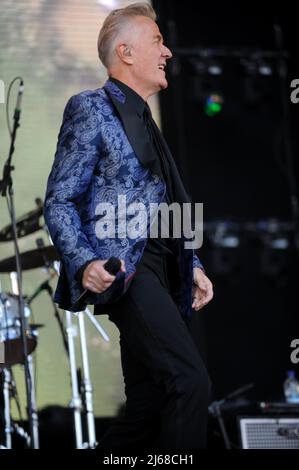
<point>213,104</point>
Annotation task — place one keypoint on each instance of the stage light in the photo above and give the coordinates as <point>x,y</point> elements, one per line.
<point>265,69</point>
<point>214,68</point>
<point>213,104</point>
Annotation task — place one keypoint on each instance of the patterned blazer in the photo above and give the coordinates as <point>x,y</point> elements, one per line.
<point>97,160</point>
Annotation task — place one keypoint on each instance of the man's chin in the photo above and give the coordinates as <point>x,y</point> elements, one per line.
<point>164,85</point>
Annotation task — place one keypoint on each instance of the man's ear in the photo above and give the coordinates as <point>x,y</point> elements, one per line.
<point>124,52</point>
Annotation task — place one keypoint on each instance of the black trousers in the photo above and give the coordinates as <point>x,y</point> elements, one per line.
<point>166,383</point>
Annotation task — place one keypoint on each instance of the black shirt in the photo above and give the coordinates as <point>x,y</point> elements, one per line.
<point>134,102</point>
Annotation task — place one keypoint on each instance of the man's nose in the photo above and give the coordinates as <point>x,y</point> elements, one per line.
<point>167,53</point>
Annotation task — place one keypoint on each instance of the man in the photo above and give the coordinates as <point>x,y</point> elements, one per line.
<point>109,146</point>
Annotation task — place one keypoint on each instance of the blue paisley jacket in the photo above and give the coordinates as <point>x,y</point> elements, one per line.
<point>97,160</point>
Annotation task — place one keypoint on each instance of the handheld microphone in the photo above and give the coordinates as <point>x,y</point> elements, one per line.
<point>112,266</point>
<point>19,100</point>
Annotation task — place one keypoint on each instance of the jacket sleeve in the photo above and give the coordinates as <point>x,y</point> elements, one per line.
<point>75,159</point>
<point>196,262</point>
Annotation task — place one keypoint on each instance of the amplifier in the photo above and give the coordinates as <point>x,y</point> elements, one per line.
<point>269,433</point>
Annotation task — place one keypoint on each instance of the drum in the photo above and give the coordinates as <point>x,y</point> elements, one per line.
<point>10,330</point>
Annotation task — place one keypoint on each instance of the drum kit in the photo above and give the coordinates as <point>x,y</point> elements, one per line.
<point>18,338</point>
<point>12,344</point>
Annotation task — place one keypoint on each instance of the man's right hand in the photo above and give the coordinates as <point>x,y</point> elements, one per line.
<point>96,278</point>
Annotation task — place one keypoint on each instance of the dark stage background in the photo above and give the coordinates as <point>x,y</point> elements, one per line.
<point>242,163</point>
<point>236,163</point>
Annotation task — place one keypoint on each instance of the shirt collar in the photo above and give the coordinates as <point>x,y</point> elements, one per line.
<point>133,100</point>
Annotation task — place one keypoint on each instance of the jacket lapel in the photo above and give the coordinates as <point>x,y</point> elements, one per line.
<point>133,128</point>
<point>180,194</point>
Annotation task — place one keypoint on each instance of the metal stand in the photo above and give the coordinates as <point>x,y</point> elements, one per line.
<point>76,402</point>
<point>215,410</point>
<point>86,384</point>
<point>9,425</point>
<point>32,399</point>
<point>7,191</point>
<point>6,399</point>
<point>86,390</point>
<point>35,424</point>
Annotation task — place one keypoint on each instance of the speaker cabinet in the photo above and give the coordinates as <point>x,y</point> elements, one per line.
<point>269,433</point>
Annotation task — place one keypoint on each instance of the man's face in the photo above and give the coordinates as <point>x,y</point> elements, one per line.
<point>149,54</point>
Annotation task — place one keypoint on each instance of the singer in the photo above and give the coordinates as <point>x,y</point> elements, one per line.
<point>110,146</point>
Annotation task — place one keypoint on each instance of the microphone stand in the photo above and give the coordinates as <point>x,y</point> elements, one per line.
<point>47,287</point>
<point>215,410</point>
<point>56,313</point>
<point>6,190</point>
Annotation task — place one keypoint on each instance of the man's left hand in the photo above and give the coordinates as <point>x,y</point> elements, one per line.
<point>202,291</point>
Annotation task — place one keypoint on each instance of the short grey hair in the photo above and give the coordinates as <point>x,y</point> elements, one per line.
<point>113,23</point>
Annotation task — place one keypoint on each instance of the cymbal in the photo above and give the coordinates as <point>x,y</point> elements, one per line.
<point>30,259</point>
<point>26,224</point>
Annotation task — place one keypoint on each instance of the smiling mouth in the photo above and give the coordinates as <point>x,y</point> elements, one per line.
<point>162,67</point>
